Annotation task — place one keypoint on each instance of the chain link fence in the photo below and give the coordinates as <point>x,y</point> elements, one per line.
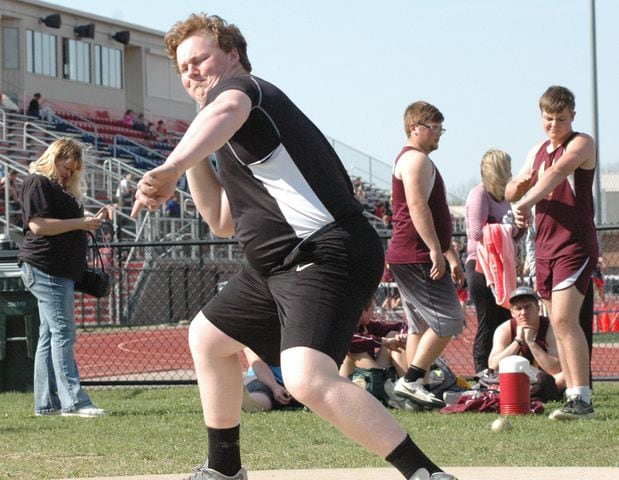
<point>138,335</point>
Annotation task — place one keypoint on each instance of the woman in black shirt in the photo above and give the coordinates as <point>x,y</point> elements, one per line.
<point>52,258</point>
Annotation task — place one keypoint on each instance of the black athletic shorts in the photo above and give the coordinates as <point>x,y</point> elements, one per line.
<point>314,300</point>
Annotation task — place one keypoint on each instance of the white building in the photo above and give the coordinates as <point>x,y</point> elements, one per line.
<point>610,198</point>
<point>81,62</point>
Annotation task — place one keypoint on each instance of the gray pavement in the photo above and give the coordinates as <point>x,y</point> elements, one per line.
<point>463,473</point>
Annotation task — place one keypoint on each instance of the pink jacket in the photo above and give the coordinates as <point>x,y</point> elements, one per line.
<point>496,259</point>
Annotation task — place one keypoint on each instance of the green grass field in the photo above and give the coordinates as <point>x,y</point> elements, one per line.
<point>604,338</point>
<point>160,430</point>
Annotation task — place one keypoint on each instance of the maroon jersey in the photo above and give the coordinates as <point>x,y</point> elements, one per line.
<point>406,245</point>
<point>540,338</point>
<point>564,218</point>
<point>368,337</point>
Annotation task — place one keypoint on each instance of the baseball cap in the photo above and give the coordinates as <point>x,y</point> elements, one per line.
<point>522,292</point>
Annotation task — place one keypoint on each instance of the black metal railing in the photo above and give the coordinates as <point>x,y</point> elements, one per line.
<point>138,335</point>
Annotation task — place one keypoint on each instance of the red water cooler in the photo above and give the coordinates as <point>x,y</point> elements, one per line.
<point>514,386</point>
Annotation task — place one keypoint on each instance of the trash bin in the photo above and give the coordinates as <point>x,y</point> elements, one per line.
<point>19,327</point>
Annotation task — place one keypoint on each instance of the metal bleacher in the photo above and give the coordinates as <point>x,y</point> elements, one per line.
<point>117,150</point>
<point>112,155</point>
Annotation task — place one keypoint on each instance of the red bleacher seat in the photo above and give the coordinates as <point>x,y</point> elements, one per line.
<point>107,138</point>
<point>107,125</point>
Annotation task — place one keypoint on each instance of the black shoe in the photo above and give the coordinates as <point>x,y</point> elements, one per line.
<point>574,409</point>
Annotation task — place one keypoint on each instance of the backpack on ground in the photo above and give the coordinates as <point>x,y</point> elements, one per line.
<point>373,380</point>
<point>442,379</point>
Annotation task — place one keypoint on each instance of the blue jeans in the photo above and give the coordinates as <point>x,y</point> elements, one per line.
<point>56,378</point>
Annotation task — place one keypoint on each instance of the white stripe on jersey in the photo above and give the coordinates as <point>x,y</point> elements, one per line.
<point>303,210</point>
<point>570,182</point>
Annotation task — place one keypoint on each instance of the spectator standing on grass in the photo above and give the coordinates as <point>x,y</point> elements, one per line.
<point>485,204</point>
<point>305,242</point>
<point>418,250</point>
<point>52,258</point>
<point>417,253</point>
<point>557,180</point>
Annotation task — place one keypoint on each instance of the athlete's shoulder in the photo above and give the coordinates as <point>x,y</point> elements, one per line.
<point>581,139</point>
<point>413,161</point>
<point>248,84</point>
<point>582,147</point>
<point>415,157</point>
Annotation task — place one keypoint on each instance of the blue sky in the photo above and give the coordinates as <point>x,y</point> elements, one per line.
<point>353,66</point>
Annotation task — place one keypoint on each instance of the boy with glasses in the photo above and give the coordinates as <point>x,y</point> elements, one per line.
<point>420,244</point>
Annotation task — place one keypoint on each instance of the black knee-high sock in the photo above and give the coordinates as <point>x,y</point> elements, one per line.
<point>414,373</point>
<point>408,458</point>
<point>224,450</point>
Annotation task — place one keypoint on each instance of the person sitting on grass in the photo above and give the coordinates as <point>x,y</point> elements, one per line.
<point>376,344</point>
<point>530,335</point>
<point>264,387</point>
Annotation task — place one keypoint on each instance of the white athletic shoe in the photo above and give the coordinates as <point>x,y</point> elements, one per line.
<point>416,392</point>
<point>85,412</point>
<point>205,473</point>
<point>397,402</point>
<point>423,474</point>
